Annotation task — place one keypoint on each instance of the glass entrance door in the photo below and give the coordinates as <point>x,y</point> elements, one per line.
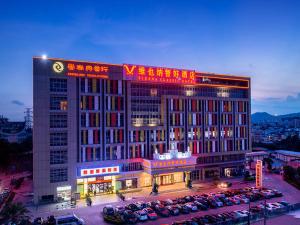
<point>100,188</point>
<point>167,179</point>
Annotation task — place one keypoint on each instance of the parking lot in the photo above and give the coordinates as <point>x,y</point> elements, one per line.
<point>92,215</point>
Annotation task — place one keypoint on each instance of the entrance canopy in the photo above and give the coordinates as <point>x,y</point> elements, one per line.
<point>154,167</point>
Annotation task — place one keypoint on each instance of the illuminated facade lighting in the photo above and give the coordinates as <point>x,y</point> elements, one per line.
<point>103,127</point>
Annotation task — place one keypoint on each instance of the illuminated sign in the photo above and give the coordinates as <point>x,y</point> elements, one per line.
<point>158,74</point>
<point>58,67</point>
<point>259,173</point>
<point>81,69</point>
<point>99,171</point>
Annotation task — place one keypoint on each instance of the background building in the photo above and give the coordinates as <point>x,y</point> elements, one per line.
<point>101,126</point>
<point>14,132</point>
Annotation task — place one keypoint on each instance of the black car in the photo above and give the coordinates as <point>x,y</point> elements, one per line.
<point>180,201</point>
<point>201,220</point>
<point>200,205</point>
<point>174,210</point>
<point>212,203</point>
<point>132,207</point>
<point>185,222</point>
<point>110,215</point>
<point>130,217</point>
<point>161,210</point>
<point>189,198</point>
<point>151,204</point>
<point>183,209</point>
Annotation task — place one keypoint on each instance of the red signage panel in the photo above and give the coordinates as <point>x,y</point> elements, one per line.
<point>158,74</point>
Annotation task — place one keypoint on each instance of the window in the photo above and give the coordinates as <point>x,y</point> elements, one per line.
<point>58,175</point>
<point>58,156</point>
<point>58,85</point>
<point>58,139</point>
<point>58,121</point>
<point>58,102</point>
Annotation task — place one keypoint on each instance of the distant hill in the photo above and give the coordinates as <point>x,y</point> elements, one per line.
<point>260,117</point>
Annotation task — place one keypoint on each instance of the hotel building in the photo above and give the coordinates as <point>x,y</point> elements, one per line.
<point>100,127</point>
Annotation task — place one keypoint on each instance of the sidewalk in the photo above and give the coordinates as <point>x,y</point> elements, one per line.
<point>141,194</point>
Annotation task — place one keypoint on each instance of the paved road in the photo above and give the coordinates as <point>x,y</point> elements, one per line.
<point>92,214</point>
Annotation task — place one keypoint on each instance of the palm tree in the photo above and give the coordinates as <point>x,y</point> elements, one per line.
<point>15,212</point>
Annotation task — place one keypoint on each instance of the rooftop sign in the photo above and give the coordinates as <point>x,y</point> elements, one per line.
<point>158,74</point>
<point>81,69</point>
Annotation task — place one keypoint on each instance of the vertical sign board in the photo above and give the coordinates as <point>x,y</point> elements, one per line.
<point>259,173</point>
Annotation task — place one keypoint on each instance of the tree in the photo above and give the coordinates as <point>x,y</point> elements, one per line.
<point>289,173</point>
<point>15,212</point>
<point>298,171</point>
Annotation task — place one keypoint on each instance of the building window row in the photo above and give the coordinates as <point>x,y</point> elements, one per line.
<point>89,102</point>
<point>114,136</point>
<point>58,85</point>
<point>58,139</point>
<point>90,85</point>
<point>58,156</point>
<point>58,120</point>
<point>90,119</point>
<point>58,175</point>
<point>58,102</point>
<point>90,137</point>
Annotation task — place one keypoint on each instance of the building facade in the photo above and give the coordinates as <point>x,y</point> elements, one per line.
<point>100,127</point>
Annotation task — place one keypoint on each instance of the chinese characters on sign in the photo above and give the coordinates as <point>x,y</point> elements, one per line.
<point>258,173</point>
<point>99,171</point>
<point>158,74</point>
<point>83,69</point>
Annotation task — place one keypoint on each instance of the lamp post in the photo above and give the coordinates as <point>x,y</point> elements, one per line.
<point>249,213</point>
<point>265,216</point>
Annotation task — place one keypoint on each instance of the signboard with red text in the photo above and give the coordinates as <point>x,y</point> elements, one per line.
<point>259,173</point>
<point>158,74</point>
<point>101,171</point>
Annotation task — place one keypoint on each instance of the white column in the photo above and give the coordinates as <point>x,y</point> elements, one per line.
<point>85,85</point>
<point>90,136</point>
<point>119,87</point>
<point>96,102</point>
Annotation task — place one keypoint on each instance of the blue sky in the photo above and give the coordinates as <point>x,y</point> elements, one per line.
<point>248,37</point>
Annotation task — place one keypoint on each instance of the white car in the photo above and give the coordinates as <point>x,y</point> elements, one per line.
<point>241,213</point>
<point>69,220</point>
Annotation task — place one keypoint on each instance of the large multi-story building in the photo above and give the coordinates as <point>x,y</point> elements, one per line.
<point>100,127</point>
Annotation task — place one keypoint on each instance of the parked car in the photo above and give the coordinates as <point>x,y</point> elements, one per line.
<point>185,222</point>
<point>173,209</point>
<point>110,215</point>
<point>183,209</point>
<point>69,219</point>
<point>193,207</point>
<point>141,215</point>
<point>161,210</point>
<point>150,213</point>
<point>130,217</point>
<point>200,205</point>
<point>133,207</point>
<point>141,204</point>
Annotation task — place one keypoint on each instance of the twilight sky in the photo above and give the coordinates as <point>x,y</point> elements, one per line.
<point>257,38</point>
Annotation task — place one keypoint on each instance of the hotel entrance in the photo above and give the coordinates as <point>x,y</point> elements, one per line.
<point>168,179</point>
<point>99,187</point>
<point>165,179</point>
